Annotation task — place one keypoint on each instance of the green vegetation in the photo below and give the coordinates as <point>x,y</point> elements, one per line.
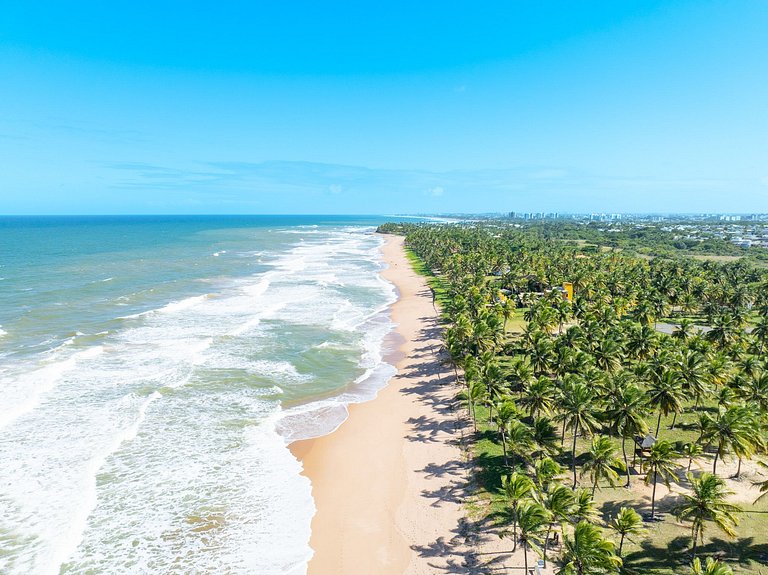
<point>561,394</point>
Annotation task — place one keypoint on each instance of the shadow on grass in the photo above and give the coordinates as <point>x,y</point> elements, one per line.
<point>741,553</point>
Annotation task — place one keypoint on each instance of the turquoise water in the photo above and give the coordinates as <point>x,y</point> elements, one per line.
<point>152,371</point>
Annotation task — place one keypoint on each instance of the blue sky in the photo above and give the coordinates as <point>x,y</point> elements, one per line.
<point>396,107</point>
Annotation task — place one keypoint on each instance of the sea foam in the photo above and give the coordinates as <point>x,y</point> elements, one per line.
<point>163,448</point>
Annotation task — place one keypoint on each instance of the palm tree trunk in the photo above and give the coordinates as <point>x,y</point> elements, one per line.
<point>658,425</point>
<point>546,544</point>
<point>525,556</point>
<point>695,535</point>
<point>738,470</point>
<point>504,447</point>
<point>562,436</point>
<point>714,465</point>
<point>626,462</point>
<point>514,528</point>
<point>621,543</point>
<point>573,453</point>
<point>653,496</point>
<point>674,420</point>
<point>594,487</point>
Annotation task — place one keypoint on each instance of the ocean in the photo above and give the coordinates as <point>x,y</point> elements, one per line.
<point>152,372</point>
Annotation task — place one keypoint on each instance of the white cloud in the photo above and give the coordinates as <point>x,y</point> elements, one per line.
<point>436,192</point>
<point>335,188</point>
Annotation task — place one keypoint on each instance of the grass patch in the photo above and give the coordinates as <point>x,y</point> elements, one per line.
<point>435,282</point>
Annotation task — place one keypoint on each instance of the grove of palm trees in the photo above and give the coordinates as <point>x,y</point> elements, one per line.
<point>623,431</point>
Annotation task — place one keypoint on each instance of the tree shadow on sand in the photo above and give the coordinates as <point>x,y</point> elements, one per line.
<point>458,555</point>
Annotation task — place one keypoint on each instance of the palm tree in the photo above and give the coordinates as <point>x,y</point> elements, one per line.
<point>707,502</point>
<point>665,393</point>
<point>626,523</point>
<point>626,412</point>
<point>762,485</point>
<point>607,355</point>
<point>642,341</point>
<point>560,503</point>
<point>577,412</point>
<point>691,450</point>
<point>585,509</point>
<point>660,463</point>
<point>588,553</point>
<point>733,429</point>
<point>532,519</point>
<point>725,331</point>
<point>693,373</point>
<point>712,567</point>
<point>546,472</point>
<point>508,307</point>
<point>601,459</point>
<point>684,331</point>
<point>519,438</point>
<point>544,435</point>
<point>540,352</point>
<point>754,390</point>
<point>538,396</point>
<point>506,413</point>
<point>760,332</point>
<point>475,393</point>
<point>517,488</point>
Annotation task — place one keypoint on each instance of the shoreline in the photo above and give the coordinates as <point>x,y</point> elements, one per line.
<point>388,483</point>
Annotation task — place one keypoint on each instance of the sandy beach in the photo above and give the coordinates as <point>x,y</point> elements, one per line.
<point>389,483</point>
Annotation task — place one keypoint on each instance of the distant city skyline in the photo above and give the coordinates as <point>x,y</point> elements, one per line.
<point>339,107</point>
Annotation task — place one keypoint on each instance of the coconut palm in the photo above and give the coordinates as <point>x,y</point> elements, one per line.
<point>762,485</point>
<point>578,412</point>
<point>760,332</point>
<point>626,523</point>
<point>642,341</point>
<point>707,502</point>
<point>665,393</point>
<point>517,488</point>
<point>600,463</point>
<point>607,355</point>
<point>753,390</point>
<point>585,508</point>
<point>540,352</point>
<point>538,396</point>
<point>532,519</point>
<point>659,463</point>
<point>560,503</point>
<point>545,438</point>
<point>691,450</point>
<point>519,439</point>
<point>711,567</point>
<point>685,330</point>
<point>587,552</point>
<point>626,413</point>
<point>506,413</point>
<point>547,470</point>
<point>725,331</point>
<point>475,394</point>
<point>693,374</point>
<point>732,429</point>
